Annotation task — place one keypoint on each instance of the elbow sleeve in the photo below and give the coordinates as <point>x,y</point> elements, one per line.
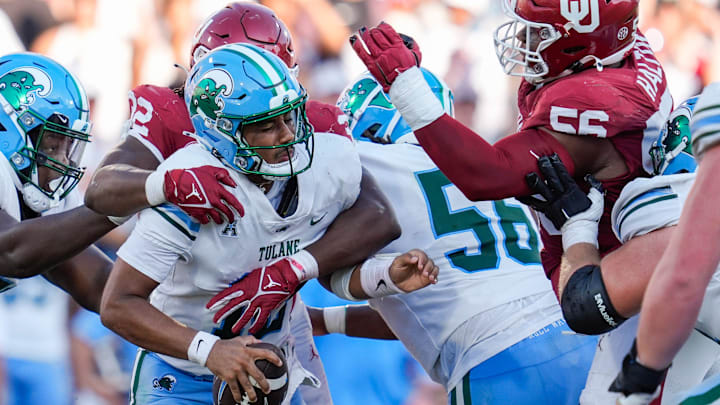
<point>586,305</point>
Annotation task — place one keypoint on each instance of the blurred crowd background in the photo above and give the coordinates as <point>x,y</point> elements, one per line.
<point>60,354</point>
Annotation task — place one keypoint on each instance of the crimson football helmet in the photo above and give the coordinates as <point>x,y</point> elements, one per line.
<point>547,39</point>
<point>244,22</point>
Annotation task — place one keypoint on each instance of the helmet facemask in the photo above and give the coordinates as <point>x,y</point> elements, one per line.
<point>56,148</point>
<point>248,158</point>
<point>519,42</point>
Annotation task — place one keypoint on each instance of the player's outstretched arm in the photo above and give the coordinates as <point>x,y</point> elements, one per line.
<point>350,320</point>
<point>33,246</point>
<point>118,186</point>
<point>358,232</point>
<point>83,277</point>
<point>128,182</point>
<point>125,310</point>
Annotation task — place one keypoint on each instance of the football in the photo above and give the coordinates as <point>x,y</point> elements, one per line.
<point>276,376</point>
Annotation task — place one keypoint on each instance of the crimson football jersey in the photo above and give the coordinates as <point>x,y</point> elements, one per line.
<point>628,105</point>
<point>159,119</point>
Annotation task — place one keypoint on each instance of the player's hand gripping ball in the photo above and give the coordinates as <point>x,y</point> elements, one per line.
<point>276,376</point>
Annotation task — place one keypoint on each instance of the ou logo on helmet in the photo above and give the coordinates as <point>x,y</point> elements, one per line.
<point>577,10</point>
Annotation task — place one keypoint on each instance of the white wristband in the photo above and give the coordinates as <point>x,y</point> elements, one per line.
<point>375,276</point>
<point>583,227</point>
<point>308,268</point>
<point>340,283</point>
<point>334,318</point>
<point>155,188</point>
<point>200,347</point>
<point>412,96</point>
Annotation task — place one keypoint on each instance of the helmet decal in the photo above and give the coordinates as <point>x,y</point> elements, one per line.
<point>371,115</point>
<point>205,99</point>
<point>20,86</point>
<point>355,98</point>
<point>576,10</point>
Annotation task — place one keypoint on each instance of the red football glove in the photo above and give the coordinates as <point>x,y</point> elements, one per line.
<point>201,192</point>
<point>384,53</point>
<point>257,293</point>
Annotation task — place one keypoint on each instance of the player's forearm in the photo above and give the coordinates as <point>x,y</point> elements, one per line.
<point>138,322</point>
<point>483,171</point>
<point>575,257</point>
<point>358,232</point>
<point>33,246</point>
<point>363,321</point>
<point>83,277</point>
<point>679,282</point>
<point>350,320</point>
<point>118,190</point>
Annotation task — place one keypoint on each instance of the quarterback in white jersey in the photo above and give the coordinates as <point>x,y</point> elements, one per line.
<point>492,300</point>
<point>163,292</point>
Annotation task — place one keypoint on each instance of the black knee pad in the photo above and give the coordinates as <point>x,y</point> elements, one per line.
<point>585,303</point>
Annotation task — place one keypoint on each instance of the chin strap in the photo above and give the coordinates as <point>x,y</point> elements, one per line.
<point>37,200</point>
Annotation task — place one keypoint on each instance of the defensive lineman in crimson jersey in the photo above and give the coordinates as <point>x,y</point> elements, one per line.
<point>627,105</point>
<point>588,75</point>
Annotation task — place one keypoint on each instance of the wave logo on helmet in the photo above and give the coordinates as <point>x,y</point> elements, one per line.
<point>206,98</point>
<point>356,98</point>
<point>577,10</point>
<point>20,87</point>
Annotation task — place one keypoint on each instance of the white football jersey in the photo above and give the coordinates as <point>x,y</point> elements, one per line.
<point>646,205</point>
<point>489,260</point>
<point>33,315</point>
<point>193,263</point>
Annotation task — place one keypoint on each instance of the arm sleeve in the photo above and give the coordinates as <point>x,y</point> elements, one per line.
<point>161,237</point>
<point>483,171</point>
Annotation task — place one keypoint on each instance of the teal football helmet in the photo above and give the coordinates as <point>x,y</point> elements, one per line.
<point>373,117</point>
<point>240,84</point>
<point>672,152</point>
<point>44,123</point>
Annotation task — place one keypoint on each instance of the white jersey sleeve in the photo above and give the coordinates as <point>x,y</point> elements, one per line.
<point>705,125</point>
<point>648,204</point>
<point>162,236</point>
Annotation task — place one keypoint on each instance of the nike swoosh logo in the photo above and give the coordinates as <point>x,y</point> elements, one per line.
<point>380,284</point>
<point>198,345</point>
<point>314,221</point>
<point>63,119</point>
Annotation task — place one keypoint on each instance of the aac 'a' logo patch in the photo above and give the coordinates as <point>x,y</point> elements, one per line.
<point>165,383</point>
<point>22,86</point>
<point>230,230</point>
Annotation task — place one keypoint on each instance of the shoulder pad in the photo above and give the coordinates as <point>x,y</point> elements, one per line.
<point>649,204</point>
<point>601,104</point>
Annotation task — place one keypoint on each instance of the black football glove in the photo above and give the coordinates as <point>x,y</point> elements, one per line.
<point>636,380</point>
<point>562,197</point>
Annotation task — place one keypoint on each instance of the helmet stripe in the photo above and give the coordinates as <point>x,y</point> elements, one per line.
<point>273,75</point>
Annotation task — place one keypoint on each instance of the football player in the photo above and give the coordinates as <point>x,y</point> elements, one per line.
<point>44,127</point>
<point>247,110</point>
<point>159,124</point>
<point>592,92</point>
<point>644,220</point>
<point>492,323</point>
<point>686,278</point>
